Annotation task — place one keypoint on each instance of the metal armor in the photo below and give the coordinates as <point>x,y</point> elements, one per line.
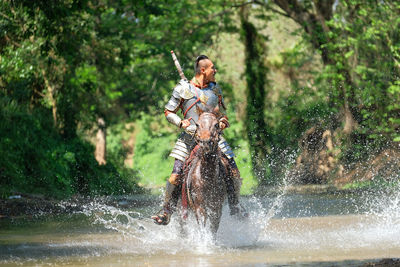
<point>186,97</point>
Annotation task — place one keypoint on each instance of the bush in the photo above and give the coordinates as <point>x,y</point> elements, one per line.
<point>35,159</point>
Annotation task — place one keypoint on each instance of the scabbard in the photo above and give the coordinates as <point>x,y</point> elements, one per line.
<point>177,65</point>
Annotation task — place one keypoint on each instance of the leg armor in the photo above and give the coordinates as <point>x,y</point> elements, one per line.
<point>172,193</point>
<point>186,143</point>
<point>233,184</point>
<point>225,148</point>
<point>237,181</point>
<point>183,146</point>
<point>174,186</point>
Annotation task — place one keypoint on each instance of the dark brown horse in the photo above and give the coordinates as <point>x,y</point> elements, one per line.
<point>205,173</point>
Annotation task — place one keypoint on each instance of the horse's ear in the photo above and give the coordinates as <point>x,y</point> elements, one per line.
<point>216,110</point>
<point>199,110</point>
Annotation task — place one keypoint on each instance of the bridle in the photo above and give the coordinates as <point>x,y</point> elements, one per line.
<point>219,132</point>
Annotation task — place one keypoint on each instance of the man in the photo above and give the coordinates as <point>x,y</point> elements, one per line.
<point>201,91</point>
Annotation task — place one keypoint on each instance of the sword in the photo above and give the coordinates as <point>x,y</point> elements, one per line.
<point>177,65</point>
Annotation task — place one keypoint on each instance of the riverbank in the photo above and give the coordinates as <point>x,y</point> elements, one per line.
<point>315,189</point>
<point>29,205</point>
<point>382,263</point>
<point>24,205</point>
<point>33,205</point>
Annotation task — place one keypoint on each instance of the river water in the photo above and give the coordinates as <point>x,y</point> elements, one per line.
<point>282,230</point>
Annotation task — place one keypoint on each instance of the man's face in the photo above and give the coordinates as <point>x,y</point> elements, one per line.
<point>209,71</point>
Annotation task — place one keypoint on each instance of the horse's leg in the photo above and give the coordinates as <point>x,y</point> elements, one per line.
<point>182,227</point>
<point>182,222</point>
<point>197,194</point>
<point>215,223</point>
<point>216,218</point>
<point>201,215</point>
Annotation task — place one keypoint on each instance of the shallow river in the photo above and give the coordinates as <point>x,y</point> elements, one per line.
<point>282,230</point>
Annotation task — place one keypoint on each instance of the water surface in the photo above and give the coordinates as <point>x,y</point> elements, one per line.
<point>292,230</point>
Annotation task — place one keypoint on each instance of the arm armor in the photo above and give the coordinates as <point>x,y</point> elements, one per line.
<point>173,118</point>
<point>180,93</point>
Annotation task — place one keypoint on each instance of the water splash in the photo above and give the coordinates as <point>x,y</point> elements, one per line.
<point>269,233</point>
<point>270,227</point>
<point>376,228</point>
<point>141,235</point>
<point>386,206</point>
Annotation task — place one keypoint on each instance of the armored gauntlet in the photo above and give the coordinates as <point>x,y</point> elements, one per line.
<point>173,118</point>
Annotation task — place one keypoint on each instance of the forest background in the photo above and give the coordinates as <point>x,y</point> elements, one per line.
<point>312,89</point>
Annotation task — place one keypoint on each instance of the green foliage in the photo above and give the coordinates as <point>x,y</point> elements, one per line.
<point>378,182</point>
<point>63,64</point>
<point>36,159</point>
<point>303,106</point>
<point>114,56</point>
<point>154,142</point>
<point>156,138</point>
<point>84,60</point>
<point>255,73</point>
<point>357,72</point>
<point>366,43</point>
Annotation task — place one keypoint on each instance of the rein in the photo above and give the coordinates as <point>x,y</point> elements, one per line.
<point>195,155</point>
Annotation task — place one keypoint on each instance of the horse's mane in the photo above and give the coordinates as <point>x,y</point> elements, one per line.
<point>209,109</point>
<point>203,175</point>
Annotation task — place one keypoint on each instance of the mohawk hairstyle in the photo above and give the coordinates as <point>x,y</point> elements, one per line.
<point>197,65</point>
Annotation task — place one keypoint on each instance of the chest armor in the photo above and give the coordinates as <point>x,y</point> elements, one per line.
<point>204,99</point>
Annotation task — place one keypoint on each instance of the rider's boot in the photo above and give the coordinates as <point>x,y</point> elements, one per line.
<point>172,191</point>
<point>233,187</point>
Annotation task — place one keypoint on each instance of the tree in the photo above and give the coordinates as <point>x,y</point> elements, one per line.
<point>314,16</point>
<point>256,78</point>
<point>84,60</point>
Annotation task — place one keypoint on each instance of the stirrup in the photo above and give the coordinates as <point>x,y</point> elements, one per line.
<point>162,218</point>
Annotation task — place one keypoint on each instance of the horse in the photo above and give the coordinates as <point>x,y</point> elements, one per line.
<point>204,187</point>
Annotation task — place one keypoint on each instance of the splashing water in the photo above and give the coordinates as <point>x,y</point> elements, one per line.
<point>141,236</point>
<point>280,229</point>
<point>380,223</point>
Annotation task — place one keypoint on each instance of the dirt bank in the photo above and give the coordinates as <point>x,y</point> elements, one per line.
<point>321,161</point>
<point>25,205</point>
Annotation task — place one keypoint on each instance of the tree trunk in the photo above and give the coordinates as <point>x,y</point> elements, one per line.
<point>51,93</point>
<point>313,21</point>
<point>255,73</point>
<point>100,153</point>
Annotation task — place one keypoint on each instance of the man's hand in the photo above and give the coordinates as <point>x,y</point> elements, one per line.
<point>222,125</point>
<point>223,122</point>
<point>185,123</point>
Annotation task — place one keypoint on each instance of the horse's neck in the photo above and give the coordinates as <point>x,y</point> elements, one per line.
<point>209,164</point>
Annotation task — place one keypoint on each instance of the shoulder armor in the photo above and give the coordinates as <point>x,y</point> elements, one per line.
<point>183,90</point>
<point>216,89</point>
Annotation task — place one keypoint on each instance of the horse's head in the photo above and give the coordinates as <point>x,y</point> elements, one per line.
<point>208,131</point>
